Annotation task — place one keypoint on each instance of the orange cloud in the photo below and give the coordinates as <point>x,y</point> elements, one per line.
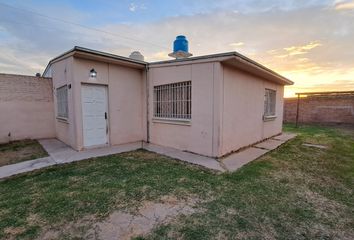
<point>236,44</point>
<point>347,5</point>
<point>299,50</point>
<point>295,50</point>
<point>310,81</point>
<point>159,56</point>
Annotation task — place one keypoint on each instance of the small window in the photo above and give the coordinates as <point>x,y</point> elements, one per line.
<point>62,101</point>
<point>269,103</point>
<point>173,101</point>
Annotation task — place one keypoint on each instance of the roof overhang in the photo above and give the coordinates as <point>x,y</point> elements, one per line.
<point>231,59</point>
<point>90,54</point>
<point>245,64</point>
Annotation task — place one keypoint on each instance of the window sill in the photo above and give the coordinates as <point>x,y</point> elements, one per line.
<point>269,118</point>
<point>185,122</point>
<point>62,119</point>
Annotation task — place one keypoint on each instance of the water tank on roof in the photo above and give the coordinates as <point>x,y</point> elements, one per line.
<point>136,55</point>
<point>180,44</point>
<point>180,48</point>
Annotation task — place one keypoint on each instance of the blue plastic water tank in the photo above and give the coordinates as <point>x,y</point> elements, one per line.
<point>180,44</point>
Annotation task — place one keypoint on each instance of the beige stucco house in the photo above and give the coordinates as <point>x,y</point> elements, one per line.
<point>209,105</point>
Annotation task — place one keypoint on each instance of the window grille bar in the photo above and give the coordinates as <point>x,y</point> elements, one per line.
<point>173,101</point>
<point>269,102</point>
<point>62,101</point>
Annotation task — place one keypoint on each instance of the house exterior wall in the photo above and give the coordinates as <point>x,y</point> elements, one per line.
<point>227,105</point>
<point>125,99</point>
<point>62,74</point>
<point>198,135</point>
<point>227,109</point>
<point>126,104</point>
<point>243,108</point>
<point>26,108</point>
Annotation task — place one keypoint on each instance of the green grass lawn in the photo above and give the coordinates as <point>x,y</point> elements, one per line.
<point>18,151</point>
<point>294,192</point>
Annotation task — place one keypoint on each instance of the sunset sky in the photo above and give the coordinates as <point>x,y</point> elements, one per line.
<point>308,41</point>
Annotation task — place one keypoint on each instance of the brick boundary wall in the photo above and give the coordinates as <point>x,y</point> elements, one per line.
<point>337,109</point>
<point>26,107</point>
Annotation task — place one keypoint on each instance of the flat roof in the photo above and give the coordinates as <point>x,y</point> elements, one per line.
<point>209,56</point>
<point>78,49</point>
<point>226,57</point>
<point>95,52</point>
<point>223,55</point>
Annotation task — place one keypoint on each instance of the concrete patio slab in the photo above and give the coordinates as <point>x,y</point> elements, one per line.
<point>27,166</point>
<point>58,150</point>
<point>158,149</point>
<point>62,153</point>
<point>53,145</point>
<point>238,159</point>
<point>285,136</point>
<point>192,158</point>
<point>269,144</point>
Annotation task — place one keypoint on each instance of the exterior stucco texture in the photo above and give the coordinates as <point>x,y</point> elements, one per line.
<point>227,109</point>
<point>243,108</point>
<point>125,100</point>
<point>26,108</point>
<point>227,104</point>
<point>194,136</point>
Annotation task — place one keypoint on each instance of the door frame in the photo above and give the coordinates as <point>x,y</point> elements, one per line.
<point>108,135</point>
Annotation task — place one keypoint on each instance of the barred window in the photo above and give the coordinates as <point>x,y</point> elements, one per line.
<point>173,101</point>
<point>269,103</point>
<point>62,101</point>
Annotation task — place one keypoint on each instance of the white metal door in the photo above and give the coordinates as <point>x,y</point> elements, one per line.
<point>94,114</point>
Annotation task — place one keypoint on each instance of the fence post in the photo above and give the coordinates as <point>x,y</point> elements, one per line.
<point>297,110</point>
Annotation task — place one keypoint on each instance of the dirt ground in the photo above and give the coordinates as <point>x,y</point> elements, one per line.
<point>126,225</point>
<point>19,151</point>
<point>302,190</point>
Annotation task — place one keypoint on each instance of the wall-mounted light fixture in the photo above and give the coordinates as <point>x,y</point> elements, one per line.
<point>93,73</point>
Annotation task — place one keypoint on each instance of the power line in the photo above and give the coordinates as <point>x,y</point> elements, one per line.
<point>36,25</point>
<point>82,26</point>
<point>39,26</point>
<point>42,26</point>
